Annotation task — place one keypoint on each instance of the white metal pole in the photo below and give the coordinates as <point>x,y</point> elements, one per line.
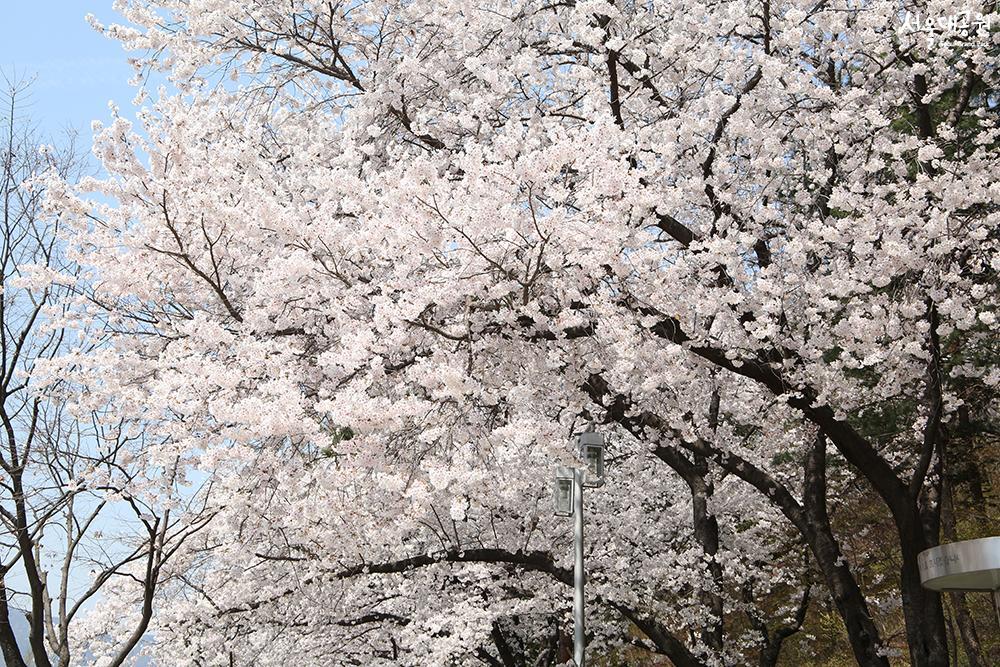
<point>579,609</point>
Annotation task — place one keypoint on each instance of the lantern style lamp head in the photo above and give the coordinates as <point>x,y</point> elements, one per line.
<point>592,453</point>
<point>563,491</point>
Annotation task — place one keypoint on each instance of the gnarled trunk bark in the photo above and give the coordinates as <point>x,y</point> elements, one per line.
<point>847,595</point>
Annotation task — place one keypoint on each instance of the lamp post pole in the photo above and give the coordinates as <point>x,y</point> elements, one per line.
<point>569,502</point>
<point>579,577</point>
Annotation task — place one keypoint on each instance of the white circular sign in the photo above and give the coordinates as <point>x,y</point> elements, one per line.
<point>972,565</point>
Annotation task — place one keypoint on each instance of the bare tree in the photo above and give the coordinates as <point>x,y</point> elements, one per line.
<point>70,523</point>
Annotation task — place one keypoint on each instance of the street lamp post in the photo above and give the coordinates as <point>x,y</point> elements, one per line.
<point>569,501</point>
<point>579,577</point>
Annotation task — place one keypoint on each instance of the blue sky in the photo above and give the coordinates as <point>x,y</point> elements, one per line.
<point>77,70</point>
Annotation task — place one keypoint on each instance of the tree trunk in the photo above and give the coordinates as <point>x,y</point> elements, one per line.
<point>774,639</point>
<point>967,631</point>
<point>8,642</point>
<point>706,532</point>
<point>966,624</point>
<point>36,617</point>
<point>504,650</point>
<point>926,634</point>
<point>814,526</point>
<point>847,595</point>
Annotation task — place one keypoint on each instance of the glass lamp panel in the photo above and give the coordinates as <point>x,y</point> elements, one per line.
<point>564,496</point>
<point>592,453</point>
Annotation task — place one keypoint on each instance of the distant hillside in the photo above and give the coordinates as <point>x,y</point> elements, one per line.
<point>20,625</point>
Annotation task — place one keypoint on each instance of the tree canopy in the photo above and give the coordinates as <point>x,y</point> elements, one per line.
<point>367,269</point>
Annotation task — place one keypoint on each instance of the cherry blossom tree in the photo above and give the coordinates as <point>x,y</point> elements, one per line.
<point>375,263</point>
